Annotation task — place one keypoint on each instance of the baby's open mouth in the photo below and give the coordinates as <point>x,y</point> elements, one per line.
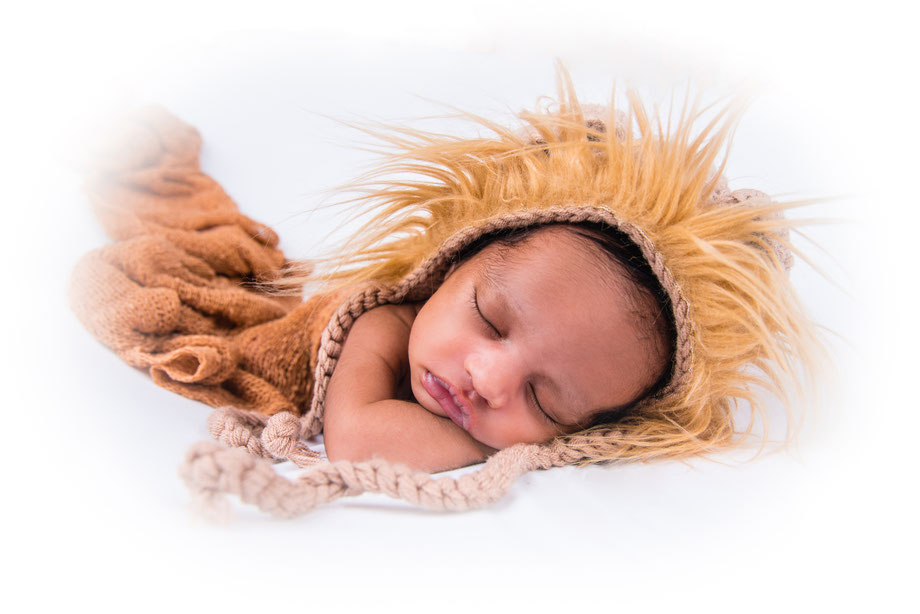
<point>444,394</point>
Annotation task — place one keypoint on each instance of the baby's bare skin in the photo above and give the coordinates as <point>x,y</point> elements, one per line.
<point>518,345</point>
<point>367,408</point>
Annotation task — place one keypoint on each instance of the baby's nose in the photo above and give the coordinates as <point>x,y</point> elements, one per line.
<point>490,379</point>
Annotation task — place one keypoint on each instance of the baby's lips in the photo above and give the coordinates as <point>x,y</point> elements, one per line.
<point>466,405</point>
<point>465,402</point>
<point>446,395</point>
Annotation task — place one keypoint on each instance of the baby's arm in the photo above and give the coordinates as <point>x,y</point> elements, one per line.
<point>363,416</point>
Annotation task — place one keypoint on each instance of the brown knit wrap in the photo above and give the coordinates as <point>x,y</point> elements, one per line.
<point>169,295</point>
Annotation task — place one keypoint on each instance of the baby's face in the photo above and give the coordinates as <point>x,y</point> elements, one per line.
<point>523,343</point>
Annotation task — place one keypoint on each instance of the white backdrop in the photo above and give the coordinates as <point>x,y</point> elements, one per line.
<point>95,512</point>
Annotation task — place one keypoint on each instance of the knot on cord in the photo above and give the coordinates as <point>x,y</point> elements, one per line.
<point>236,428</point>
<point>282,438</point>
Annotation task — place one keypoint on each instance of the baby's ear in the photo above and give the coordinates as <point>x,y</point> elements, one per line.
<point>755,198</point>
<point>596,117</point>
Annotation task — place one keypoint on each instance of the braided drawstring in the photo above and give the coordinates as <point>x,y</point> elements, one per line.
<point>210,470</point>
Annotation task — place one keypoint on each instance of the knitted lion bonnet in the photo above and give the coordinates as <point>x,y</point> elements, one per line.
<point>721,258</point>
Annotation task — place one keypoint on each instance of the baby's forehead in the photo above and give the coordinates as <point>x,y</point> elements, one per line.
<point>547,249</point>
<point>553,264</point>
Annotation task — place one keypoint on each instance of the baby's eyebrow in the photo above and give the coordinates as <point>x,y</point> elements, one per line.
<point>493,278</point>
<point>492,275</point>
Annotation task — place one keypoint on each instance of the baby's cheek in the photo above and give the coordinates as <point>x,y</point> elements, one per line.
<point>506,432</point>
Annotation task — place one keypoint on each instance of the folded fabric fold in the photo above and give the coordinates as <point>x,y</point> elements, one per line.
<point>171,295</point>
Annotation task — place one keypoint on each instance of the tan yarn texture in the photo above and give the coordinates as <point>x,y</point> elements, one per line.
<point>169,295</point>
<point>173,294</point>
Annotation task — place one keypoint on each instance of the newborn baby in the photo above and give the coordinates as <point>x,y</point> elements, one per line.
<point>533,334</point>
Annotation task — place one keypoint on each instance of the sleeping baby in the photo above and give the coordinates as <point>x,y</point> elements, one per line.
<point>581,290</point>
<point>535,334</point>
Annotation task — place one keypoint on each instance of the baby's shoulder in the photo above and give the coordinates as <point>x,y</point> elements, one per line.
<point>383,331</point>
<point>396,317</point>
<point>377,345</point>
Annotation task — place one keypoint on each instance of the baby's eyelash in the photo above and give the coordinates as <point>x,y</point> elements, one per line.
<point>536,402</point>
<point>475,303</point>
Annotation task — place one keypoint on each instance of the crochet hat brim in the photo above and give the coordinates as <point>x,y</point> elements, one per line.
<point>423,281</point>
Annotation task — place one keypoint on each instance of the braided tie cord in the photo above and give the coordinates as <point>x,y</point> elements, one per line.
<point>275,438</point>
<point>211,469</point>
<point>236,428</point>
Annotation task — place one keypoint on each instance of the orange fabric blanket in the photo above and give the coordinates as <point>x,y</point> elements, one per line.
<point>170,294</point>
